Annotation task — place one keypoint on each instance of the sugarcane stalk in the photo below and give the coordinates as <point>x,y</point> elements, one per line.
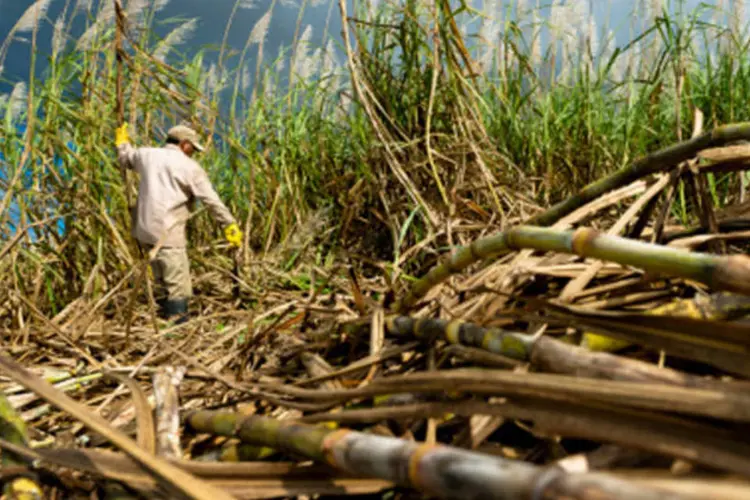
<point>167,409</point>
<point>729,273</point>
<point>438,470</point>
<point>119,98</point>
<point>545,353</point>
<point>20,400</point>
<point>13,430</point>
<point>243,452</point>
<point>658,161</point>
<point>717,307</point>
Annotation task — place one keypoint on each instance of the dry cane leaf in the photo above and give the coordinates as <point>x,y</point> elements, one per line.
<point>146,433</point>
<point>166,383</point>
<point>174,479</point>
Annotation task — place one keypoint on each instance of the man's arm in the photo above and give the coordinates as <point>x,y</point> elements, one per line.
<point>126,154</point>
<point>203,190</point>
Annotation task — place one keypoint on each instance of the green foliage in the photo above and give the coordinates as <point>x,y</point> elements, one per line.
<point>545,119</point>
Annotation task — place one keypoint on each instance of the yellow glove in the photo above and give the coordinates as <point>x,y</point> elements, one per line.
<point>121,135</point>
<point>233,235</point>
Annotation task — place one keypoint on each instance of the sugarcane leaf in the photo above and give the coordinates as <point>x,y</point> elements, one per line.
<point>170,477</point>
<point>250,479</point>
<point>725,345</point>
<point>146,430</point>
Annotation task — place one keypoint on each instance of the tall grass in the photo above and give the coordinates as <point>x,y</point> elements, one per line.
<point>433,111</point>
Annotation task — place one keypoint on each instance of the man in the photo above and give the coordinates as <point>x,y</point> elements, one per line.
<point>169,182</point>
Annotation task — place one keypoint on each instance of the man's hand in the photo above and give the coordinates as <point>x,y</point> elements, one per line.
<point>233,235</point>
<point>121,135</point>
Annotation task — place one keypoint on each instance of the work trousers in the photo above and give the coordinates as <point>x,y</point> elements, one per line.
<point>171,271</point>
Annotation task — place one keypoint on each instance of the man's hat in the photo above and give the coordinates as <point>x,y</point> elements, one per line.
<point>183,133</point>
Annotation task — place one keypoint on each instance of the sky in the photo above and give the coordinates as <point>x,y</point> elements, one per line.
<point>213,15</point>
<point>212,18</point>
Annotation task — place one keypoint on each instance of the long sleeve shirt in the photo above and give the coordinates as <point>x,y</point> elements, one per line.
<point>169,182</point>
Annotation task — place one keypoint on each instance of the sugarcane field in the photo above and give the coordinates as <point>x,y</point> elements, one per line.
<point>317,249</point>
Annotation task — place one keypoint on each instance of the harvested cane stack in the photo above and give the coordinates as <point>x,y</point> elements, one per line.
<point>488,378</point>
<point>589,351</point>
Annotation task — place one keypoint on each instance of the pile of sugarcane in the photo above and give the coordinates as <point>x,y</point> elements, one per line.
<point>550,360</point>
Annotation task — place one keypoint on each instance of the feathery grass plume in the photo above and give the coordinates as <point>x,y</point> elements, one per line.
<point>489,34</point>
<point>260,30</point>
<point>570,17</point>
<point>522,10</point>
<point>247,4</point>
<point>269,85</point>
<point>535,51</point>
<point>738,21</point>
<point>589,44</point>
<point>83,5</point>
<point>719,12</point>
<point>59,37</point>
<point>289,3</point>
<point>345,103</point>
<point>135,12</point>
<point>211,80</point>
<point>17,100</point>
<point>372,9</point>
<point>619,68</point>
<point>176,37</point>
<point>740,10</point>
<point>279,65</point>
<point>653,10</point>
<point>245,79</point>
<point>315,63</point>
<point>160,4</point>
<point>303,65</point>
<point>28,21</point>
<point>31,18</point>
<point>3,101</point>
<point>103,19</point>
<point>559,29</point>
<point>721,20</point>
<point>329,63</point>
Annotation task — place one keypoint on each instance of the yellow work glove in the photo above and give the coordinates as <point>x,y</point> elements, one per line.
<point>121,135</point>
<point>233,235</point>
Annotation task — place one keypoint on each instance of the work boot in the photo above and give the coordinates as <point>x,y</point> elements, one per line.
<point>175,310</point>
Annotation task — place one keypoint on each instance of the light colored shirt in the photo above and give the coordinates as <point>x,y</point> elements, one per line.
<point>169,182</point>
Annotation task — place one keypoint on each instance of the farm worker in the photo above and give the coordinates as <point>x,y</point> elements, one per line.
<point>169,182</point>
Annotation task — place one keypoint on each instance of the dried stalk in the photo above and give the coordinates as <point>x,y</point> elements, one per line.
<point>730,273</point>
<point>442,471</point>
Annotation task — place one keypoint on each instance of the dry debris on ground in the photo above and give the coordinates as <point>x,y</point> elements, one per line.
<point>494,382</point>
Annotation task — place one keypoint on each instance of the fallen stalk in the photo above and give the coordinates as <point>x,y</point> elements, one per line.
<point>652,433</point>
<point>717,306</point>
<point>729,405</point>
<point>544,353</point>
<point>443,471</point>
<point>730,273</point>
<point>246,480</point>
<point>658,161</point>
<point>172,479</point>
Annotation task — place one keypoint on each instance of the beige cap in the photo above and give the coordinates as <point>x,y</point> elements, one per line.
<point>183,133</point>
